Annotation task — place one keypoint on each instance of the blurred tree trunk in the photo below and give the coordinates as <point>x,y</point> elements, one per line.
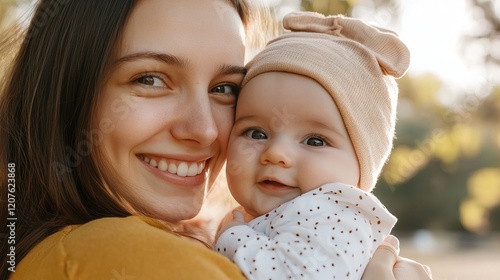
<point>490,34</point>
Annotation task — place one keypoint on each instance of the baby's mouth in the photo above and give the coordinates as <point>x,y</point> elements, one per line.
<point>274,183</point>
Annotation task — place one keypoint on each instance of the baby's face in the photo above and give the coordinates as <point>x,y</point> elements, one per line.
<point>288,138</point>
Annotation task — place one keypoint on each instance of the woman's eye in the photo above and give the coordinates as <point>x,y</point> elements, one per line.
<point>226,89</point>
<point>255,134</point>
<point>314,141</point>
<point>150,80</point>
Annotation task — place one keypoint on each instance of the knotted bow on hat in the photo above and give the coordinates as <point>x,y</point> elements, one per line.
<point>356,63</point>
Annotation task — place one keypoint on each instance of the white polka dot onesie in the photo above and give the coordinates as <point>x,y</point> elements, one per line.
<point>328,233</point>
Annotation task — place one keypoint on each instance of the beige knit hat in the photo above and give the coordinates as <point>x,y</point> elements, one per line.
<point>356,63</point>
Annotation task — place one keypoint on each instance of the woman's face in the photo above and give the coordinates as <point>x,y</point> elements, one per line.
<point>166,107</point>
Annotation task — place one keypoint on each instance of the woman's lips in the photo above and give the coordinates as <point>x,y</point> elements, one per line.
<point>180,168</point>
<point>177,172</point>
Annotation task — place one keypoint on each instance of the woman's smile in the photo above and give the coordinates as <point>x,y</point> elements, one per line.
<point>180,168</point>
<point>176,172</point>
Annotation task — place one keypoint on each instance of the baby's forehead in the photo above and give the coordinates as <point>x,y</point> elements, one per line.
<point>288,98</point>
<point>293,83</point>
<point>283,78</point>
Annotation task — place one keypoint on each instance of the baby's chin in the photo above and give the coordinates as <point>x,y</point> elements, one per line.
<point>250,213</point>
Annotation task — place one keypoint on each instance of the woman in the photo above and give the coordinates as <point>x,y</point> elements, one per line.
<point>115,120</point>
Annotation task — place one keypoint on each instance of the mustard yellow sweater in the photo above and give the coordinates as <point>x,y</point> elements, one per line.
<point>122,248</point>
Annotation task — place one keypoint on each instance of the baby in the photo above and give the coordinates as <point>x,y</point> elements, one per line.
<point>313,128</point>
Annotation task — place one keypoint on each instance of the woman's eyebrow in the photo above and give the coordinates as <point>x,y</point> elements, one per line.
<point>232,69</point>
<point>162,57</point>
<point>171,59</point>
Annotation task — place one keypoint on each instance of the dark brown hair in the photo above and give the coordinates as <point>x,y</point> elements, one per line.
<point>46,107</point>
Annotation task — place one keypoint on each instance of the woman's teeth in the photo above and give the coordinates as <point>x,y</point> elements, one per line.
<point>180,168</point>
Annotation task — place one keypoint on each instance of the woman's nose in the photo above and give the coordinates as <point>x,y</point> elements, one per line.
<point>195,121</point>
<point>277,152</point>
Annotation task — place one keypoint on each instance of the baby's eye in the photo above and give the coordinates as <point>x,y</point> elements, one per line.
<point>226,89</point>
<point>151,80</point>
<point>255,134</point>
<point>314,141</point>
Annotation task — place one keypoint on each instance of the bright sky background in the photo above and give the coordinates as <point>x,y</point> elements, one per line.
<point>433,31</point>
<point>435,38</point>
